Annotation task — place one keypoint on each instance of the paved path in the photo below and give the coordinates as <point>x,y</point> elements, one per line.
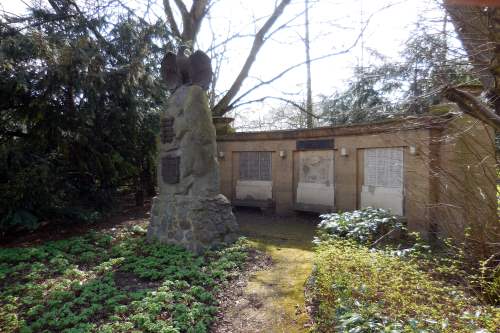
<point>273,300</point>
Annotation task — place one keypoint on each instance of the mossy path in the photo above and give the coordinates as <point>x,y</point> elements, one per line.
<point>273,299</point>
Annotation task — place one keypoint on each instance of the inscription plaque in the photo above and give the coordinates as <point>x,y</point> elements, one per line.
<point>315,144</point>
<point>170,169</point>
<point>167,130</point>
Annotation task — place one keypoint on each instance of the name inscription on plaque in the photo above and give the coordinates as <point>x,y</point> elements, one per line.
<point>170,169</point>
<point>167,130</point>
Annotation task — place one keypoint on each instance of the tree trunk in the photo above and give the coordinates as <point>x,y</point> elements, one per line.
<point>309,103</point>
<point>478,29</point>
<point>191,20</point>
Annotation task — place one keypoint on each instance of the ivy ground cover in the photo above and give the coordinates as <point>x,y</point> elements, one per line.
<point>112,282</point>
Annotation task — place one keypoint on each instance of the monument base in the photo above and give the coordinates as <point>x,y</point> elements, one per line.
<point>193,222</point>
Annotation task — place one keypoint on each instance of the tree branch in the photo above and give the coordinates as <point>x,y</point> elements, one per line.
<point>182,7</point>
<point>198,11</point>
<point>221,107</point>
<point>191,20</point>
<point>170,18</point>
<point>285,24</point>
<point>262,99</point>
<point>198,8</point>
<point>225,104</point>
<point>228,39</point>
<point>473,106</point>
<point>282,73</point>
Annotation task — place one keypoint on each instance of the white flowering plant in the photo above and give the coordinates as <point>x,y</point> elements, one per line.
<point>365,225</point>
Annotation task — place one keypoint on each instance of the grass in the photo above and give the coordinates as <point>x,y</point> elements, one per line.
<point>112,282</point>
<point>366,290</point>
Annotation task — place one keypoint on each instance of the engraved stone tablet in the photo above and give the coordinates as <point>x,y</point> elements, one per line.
<point>170,169</point>
<point>167,130</point>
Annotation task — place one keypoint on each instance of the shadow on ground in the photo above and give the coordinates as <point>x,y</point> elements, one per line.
<point>273,300</point>
<point>125,214</point>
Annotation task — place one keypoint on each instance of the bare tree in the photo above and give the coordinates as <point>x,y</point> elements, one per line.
<point>187,33</point>
<point>222,106</point>
<point>306,105</point>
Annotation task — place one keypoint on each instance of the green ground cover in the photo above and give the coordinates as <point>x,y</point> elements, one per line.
<point>361,288</point>
<point>112,282</point>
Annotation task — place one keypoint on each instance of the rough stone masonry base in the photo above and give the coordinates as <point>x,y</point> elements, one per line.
<point>193,222</point>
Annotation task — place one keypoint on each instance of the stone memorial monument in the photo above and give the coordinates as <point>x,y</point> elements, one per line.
<point>189,210</point>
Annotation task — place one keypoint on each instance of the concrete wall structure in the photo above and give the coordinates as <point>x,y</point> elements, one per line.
<point>439,152</point>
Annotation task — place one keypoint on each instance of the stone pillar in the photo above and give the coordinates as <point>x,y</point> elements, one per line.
<point>189,210</point>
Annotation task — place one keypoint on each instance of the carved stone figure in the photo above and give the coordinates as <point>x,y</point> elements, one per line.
<point>189,210</point>
<point>178,70</point>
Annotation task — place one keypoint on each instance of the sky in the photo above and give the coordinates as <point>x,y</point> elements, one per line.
<point>335,26</point>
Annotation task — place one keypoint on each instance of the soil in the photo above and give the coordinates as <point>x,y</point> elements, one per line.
<point>128,281</point>
<point>233,295</point>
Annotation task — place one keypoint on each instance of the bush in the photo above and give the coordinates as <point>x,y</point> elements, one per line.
<point>364,225</point>
<point>489,280</point>
<point>366,290</point>
<point>396,288</point>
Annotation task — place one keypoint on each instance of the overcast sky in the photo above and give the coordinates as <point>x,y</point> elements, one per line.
<point>335,25</point>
